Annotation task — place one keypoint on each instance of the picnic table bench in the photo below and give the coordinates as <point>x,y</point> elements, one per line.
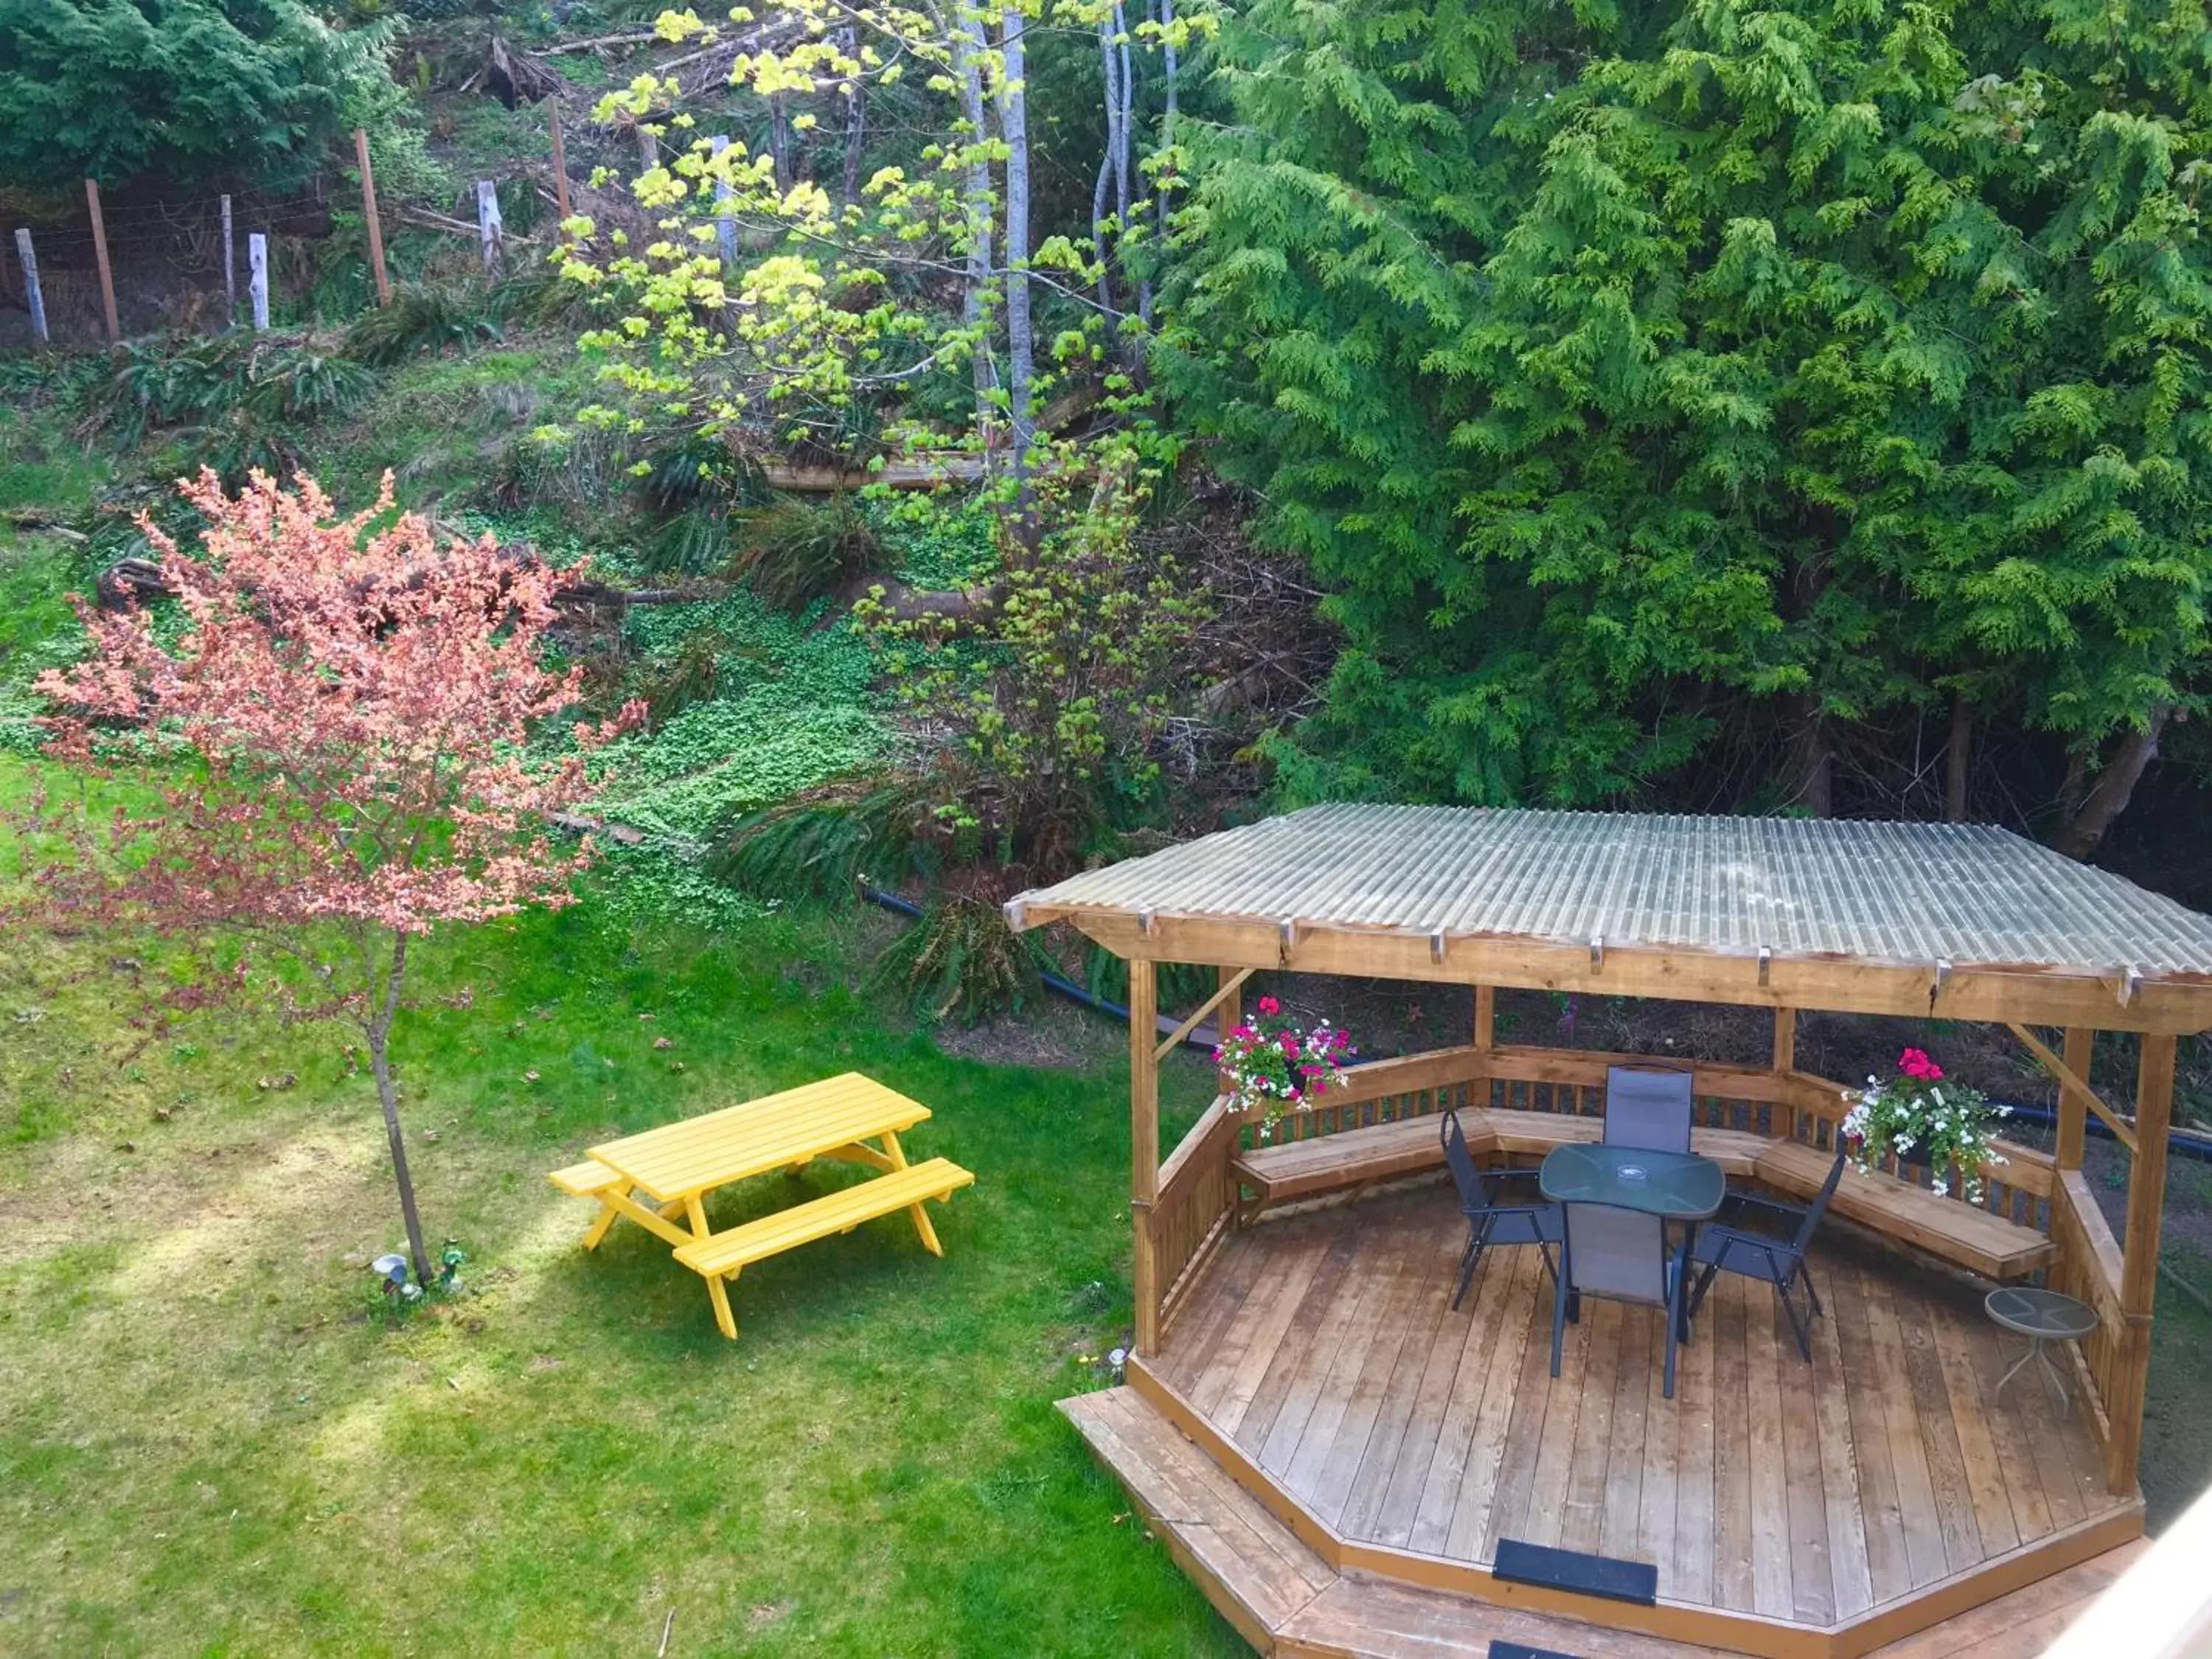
<point>655,1178</point>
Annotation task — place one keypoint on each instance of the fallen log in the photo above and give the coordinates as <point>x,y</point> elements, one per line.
<point>920,472</point>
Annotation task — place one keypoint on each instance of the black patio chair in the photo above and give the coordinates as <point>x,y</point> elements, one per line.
<point>1621,1255</point>
<point>1488,1221</point>
<point>1647,1107</point>
<point>1774,1261</point>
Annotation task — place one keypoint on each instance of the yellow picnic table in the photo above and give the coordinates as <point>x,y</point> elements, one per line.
<point>655,1177</point>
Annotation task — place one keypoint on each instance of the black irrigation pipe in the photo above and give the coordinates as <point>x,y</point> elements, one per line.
<point>2187,1142</point>
<point>1068,987</point>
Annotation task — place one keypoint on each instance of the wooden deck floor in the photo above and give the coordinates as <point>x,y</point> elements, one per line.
<point>1290,1603</point>
<point>1323,1347</point>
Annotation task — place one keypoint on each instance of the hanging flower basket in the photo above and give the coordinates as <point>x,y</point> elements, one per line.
<point>1919,1118</point>
<point>1273,1065</point>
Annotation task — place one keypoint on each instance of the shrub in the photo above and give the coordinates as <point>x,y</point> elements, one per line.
<point>422,317</point>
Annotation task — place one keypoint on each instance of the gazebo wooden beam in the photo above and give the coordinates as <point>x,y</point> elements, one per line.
<point>2074,1082</point>
<point>2174,1007</point>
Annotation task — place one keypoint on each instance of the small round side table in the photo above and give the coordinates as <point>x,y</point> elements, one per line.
<point>2043,1317</point>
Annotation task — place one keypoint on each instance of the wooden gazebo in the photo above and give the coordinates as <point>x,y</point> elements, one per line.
<point>1335,1454</point>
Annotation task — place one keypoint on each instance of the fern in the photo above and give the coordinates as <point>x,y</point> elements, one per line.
<point>960,961</point>
<point>821,844</point>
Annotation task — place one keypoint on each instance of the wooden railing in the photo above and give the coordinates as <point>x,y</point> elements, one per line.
<point>1198,1199</point>
<point>2087,1268</point>
<point>1195,1206</point>
<point>1382,1091</point>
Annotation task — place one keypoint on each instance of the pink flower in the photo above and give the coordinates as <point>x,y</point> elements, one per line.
<point>1269,1006</point>
<point>1244,1032</point>
<point>1289,1042</point>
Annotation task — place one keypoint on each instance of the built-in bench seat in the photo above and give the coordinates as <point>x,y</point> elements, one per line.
<point>1972,1238</point>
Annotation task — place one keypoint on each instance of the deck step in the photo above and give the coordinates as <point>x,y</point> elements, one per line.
<point>1280,1594</point>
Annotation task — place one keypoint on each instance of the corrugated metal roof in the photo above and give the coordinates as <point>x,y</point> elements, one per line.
<point>1903,894</point>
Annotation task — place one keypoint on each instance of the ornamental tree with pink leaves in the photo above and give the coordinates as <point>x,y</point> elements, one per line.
<point>338,736</point>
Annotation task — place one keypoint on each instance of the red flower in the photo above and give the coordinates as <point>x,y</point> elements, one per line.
<point>1268,1006</point>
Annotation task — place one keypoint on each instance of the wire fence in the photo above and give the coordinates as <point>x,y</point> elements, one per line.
<point>94,271</point>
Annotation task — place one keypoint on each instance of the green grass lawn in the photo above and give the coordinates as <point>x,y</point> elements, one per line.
<point>208,1444</point>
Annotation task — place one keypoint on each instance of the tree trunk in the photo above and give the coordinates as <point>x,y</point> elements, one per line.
<point>379,1040</point>
<point>779,140</point>
<point>1113,102</point>
<point>2117,778</point>
<point>1814,785</point>
<point>856,122</point>
<point>1958,760</point>
<point>1021,340</point>
<point>967,47</point>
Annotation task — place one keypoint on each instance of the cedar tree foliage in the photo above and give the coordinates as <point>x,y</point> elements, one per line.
<point>1643,377</point>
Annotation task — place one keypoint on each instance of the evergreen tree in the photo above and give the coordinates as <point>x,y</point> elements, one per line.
<point>188,89</point>
<point>1640,377</point>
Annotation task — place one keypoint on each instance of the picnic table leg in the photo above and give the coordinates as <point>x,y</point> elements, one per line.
<point>719,1296</point>
<point>897,1156</point>
<point>717,1292</point>
<point>598,1230</point>
<point>609,1210</point>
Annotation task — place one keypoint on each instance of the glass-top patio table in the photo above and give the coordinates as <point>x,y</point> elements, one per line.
<point>1678,1186</point>
<point>1673,1186</point>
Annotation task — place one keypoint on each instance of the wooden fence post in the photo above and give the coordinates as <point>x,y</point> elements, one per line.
<point>229,269</point>
<point>32,294</point>
<point>368,218</point>
<point>726,229</point>
<point>100,258</point>
<point>490,228</point>
<point>256,269</point>
<point>1145,1146</point>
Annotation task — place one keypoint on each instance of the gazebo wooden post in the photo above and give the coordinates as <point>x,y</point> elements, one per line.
<point>1230,1014</point>
<point>2073,1105</point>
<point>1144,1146</point>
<point>1486,1039</point>
<point>2139,1260</point>
<point>1785,1061</point>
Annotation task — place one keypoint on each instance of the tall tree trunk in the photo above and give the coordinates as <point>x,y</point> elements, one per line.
<point>1021,339</point>
<point>1815,786</point>
<point>379,1059</point>
<point>2117,778</point>
<point>1112,98</point>
<point>856,122</point>
<point>1163,177</point>
<point>779,140</point>
<point>969,44</point>
<point>1124,142</point>
<point>1959,759</point>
